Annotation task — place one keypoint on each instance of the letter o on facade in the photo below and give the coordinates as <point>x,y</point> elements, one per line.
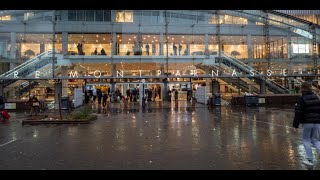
<point>94,73</point>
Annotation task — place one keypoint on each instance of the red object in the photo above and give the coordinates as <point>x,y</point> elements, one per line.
<point>5,114</point>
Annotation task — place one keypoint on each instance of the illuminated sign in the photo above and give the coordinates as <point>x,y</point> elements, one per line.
<point>10,106</point>
<point>303,33</point>
<point>300,48</point>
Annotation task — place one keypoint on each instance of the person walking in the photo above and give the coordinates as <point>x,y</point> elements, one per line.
<point>307,113</point>
<point>147,49</point>
<point>33,102</point>
<point>180,48</point>
<point>104,99</point>
<point>99,95</point>
<point>176,93</point>
<point>94,93</point>
<point>174,49</point>
<point>153,49</point>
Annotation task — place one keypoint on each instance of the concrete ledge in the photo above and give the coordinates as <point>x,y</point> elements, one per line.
<point>42,121</point>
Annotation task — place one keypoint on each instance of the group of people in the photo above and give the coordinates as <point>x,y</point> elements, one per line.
<point>80,49</point>
<point>94,94</point>
<point>148,49</point>
<point>175,49</point>
<point>152,93</point>
<point>102,52</point>
<point>137,49</point>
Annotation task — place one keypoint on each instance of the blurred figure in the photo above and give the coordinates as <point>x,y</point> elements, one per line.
<point>307,113</point>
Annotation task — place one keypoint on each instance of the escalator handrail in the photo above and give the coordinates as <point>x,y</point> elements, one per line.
<point>27,63</point>
<point>31,65</point>
<point>247,68</point>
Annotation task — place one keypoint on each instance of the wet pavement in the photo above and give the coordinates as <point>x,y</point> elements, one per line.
<point>162,136</point>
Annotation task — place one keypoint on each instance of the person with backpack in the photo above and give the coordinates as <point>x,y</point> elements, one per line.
<point>5,115</point>
<point>307,113</point>
<point>3,100</point>
<point>33,102</point>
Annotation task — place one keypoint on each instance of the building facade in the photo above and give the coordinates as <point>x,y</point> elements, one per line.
<point>229,51</point>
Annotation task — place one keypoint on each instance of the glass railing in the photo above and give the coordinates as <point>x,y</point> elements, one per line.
<point>26,64</point>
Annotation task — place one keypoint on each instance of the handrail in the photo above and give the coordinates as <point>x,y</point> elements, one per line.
<point>247,68</point>
<point>292,17</point>
<point>27,63</point>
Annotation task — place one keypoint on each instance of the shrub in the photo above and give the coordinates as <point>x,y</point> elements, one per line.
<point>80,115</point>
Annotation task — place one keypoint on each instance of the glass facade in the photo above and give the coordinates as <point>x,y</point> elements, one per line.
<point>89,44</point>
<point>158,45</point>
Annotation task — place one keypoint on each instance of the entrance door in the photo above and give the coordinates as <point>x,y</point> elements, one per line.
<point>181,87</point>
<point>152,90</point>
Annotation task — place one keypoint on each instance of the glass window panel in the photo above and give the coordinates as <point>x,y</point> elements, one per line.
<point>120,16</point>
<point>107,15</point>
<point>5,18</point>
<point>80,15</point>
<point>72,15</point>
<point>128,16</point>
<point>90,42</point>
<point>90,15</point>
<point>99,15</point>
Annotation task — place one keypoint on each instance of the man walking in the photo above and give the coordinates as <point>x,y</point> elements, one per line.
<point>307,113</point>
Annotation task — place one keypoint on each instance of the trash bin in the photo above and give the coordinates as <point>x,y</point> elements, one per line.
<point>251,100</point>
<point>216,99</point>
<point>65,103</point>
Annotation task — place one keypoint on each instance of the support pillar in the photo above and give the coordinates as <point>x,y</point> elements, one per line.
<point>64,88</point>
<point>161,44</point>
<point>114,74</point>
<point>65,43</point>
<point>42,48</point>
<point>162,69</point>
<point>140,93</point>
<point>215,86</point>
<point>165,95</point>
<point>114,44</point>
<point>12,49</point>
<point>57,89</point>
<point>290,83</point>
<point>206,48</point>
<point>207,81</point>
<point>289,54</point>
<point>250,52</point>
<point>188,49</point>
<point>262,87</point>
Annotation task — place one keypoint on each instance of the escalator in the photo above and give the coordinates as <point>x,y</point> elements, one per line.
<point>41,63</point>
<point>233,63</point>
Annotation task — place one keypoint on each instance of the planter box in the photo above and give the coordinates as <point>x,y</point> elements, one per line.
<point>42,121</point>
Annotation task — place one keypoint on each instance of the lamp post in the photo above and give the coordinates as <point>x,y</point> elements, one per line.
<point>143,100</point>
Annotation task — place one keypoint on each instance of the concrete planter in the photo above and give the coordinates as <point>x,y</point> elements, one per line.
<point>44,121</point>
